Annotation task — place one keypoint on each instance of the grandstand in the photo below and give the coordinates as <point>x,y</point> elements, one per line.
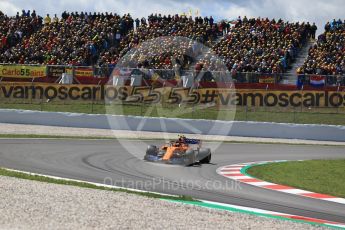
<point>14,29</point>
<point>262,45</point>
<point>254,50</point>
<point>77,39</point>
<point>90,39</point>
<point>327,56</point>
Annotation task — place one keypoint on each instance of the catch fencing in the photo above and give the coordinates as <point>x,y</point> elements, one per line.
<point>88,74</point>
<point>318,107</point>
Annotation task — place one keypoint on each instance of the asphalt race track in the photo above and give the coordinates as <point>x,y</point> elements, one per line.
<point>107,160</point>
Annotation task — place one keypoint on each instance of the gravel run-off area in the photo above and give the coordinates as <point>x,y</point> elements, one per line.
<point>37,205</point>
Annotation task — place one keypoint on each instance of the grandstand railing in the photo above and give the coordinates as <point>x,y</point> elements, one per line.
<point>301,114</point>
<point>94,72</point>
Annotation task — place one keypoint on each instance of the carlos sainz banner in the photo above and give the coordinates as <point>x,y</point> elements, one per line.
<point>220,97</point>
<point>22,71</point>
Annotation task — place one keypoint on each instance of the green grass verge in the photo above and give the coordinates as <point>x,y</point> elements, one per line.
<point>331,116</point>
<point>9,173</point>
<point>321,176</point>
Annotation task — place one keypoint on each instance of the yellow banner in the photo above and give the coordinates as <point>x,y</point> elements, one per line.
<point>267,80</point>
<point>83,72</point>
<point>22,71</point>
<point>80,72</point>
<point>170,95</point>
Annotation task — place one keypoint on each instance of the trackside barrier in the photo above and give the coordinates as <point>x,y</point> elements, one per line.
<point>174,125</point>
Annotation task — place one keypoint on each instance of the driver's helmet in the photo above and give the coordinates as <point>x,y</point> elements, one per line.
<point>181,138</point>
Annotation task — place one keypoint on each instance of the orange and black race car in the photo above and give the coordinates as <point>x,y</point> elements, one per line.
<point>183,151</point>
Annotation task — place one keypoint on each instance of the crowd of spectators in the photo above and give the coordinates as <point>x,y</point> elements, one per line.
<point>81,38</point>
<point>74,39</point>
<point>327,56</point>
<point>262,45</point>
<point>14,29</point>
<point>102,39</point>
<point>164,53</point>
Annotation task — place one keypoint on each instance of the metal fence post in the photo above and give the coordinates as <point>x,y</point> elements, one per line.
<point>294,114</point>
<point>193,108</point>
<point>338,98</point>
<point>92,101</point>
<point>42,98</point>
<point>32,85</point>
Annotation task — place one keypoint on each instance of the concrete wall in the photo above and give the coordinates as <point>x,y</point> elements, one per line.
<point>174,125</point>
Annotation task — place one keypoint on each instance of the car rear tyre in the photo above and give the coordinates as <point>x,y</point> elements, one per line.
<point>206,160</point>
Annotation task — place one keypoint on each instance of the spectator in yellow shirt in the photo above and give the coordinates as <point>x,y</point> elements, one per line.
<point>47,20</point>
